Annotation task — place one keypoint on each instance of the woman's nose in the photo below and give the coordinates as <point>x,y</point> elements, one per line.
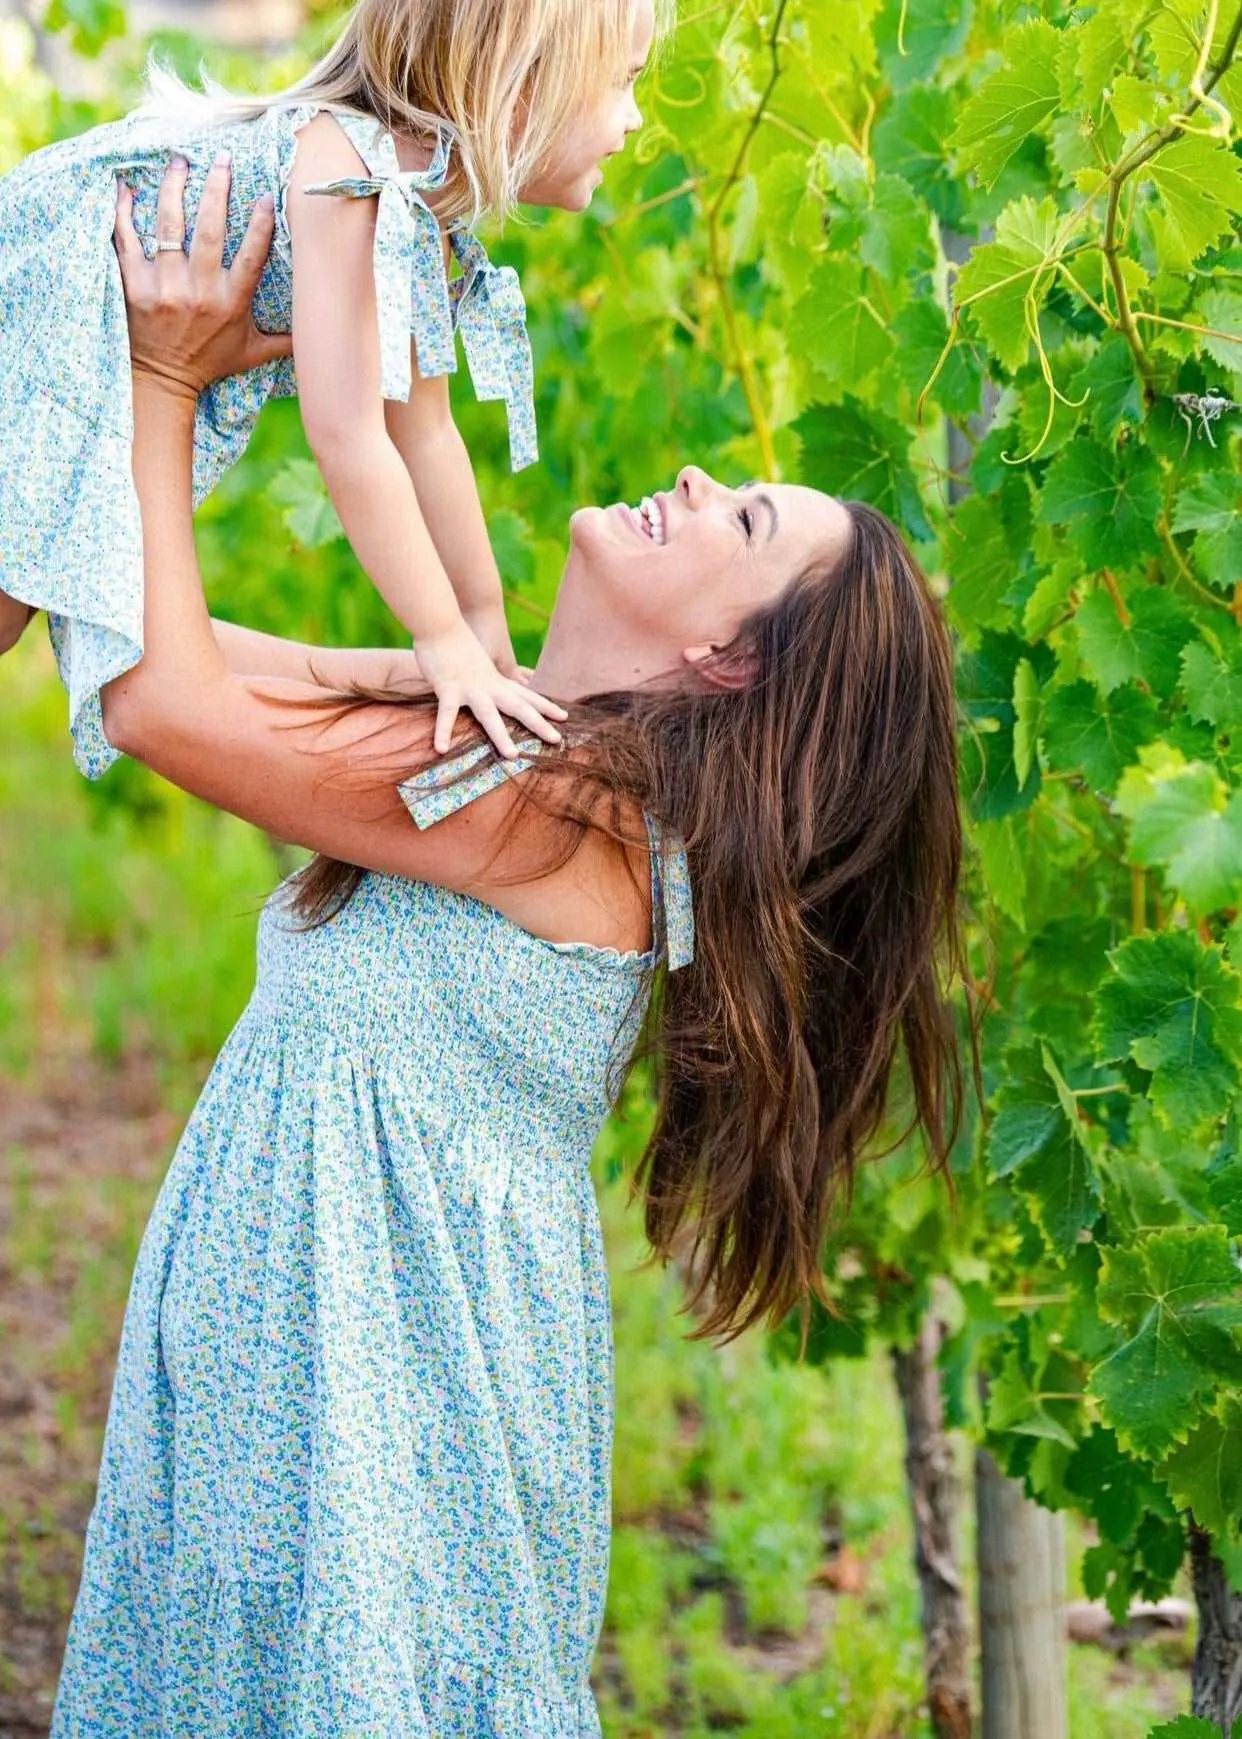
<point>693,485</point>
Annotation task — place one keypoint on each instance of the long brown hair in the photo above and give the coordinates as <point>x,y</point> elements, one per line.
<point>819,808</point>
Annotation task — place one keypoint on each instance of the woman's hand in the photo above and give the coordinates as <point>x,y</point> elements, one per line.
<point>190,319</point>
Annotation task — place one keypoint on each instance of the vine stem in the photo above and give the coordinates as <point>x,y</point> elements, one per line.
<point>1143,152</point>
<point>715,248</point>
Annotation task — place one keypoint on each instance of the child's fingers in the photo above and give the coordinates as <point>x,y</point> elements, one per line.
<point>207,248</point>
<point>446,715</point>
<point>170,207</point>
<point>489,717</point>
<point>533,719</point>
<point>551,709</point>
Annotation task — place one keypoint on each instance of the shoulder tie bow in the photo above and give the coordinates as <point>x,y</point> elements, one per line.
<point>413,294</point>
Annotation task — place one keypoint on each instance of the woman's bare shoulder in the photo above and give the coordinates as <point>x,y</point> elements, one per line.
<point>600,895</point>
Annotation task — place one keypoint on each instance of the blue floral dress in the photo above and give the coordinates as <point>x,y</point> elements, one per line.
<point>70,530</point>
<point>355,1479</point>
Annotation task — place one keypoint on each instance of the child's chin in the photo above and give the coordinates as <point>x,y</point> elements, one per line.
<point>579,196</point>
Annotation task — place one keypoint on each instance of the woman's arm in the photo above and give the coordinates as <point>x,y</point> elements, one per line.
<point>14,617</point>
<point>322,782</point>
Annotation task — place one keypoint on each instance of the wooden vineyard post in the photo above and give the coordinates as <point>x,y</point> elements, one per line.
<point>1021,1561</point>
<point>931,1482</point>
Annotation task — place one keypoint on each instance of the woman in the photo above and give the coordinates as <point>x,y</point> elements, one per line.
<point>356,1472</point>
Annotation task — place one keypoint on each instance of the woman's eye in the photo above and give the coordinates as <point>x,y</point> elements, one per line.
<point>748,521</point>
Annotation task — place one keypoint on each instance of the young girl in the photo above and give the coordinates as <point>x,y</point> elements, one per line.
<point>426,115</point>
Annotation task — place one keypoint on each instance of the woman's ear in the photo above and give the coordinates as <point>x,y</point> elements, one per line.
<point>721,668</point>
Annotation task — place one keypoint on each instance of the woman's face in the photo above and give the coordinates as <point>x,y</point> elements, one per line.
<point>678,574</point>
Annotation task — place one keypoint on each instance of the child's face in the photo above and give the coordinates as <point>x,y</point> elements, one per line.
<point>570,173</point>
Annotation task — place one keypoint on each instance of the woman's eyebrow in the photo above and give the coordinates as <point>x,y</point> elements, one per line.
<point>766,500</point>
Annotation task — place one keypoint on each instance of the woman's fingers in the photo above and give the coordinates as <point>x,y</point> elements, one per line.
<point>268,347</point>
<point>251,257</point>
<point>170,209</point>
<point>207,248</point>
<point>129,249</point>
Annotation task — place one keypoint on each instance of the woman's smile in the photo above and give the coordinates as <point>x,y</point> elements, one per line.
<point>649,520</point>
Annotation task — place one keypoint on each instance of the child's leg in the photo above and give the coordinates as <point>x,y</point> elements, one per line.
<point>13,619</point>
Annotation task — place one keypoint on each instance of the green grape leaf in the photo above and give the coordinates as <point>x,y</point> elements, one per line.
<point>1037,1139</point>
<point>1012,103</point>
<point>1188,1727</point>
<point>896,231</point>
<point>985,689</point>
<point>1211,507</point>
<point>1200,184</point>
<point>858,453</point>
<point>911,140</point>
<point>1116,393</point>
<point>792,220</point>
<point>1095,49</point>
<point>1224,1181</point>
<point>1174,1007</point>
<point>1108,1483</point>
<point>1003,859</point>
<point>836,327</point>
<point>1220,310</point>
<point>1014,1405</point>
<point>1097,735</point>
<point>1205,1474</point>
<point>1177,1294</point>
<point>1026,692</point>
<point>1000,276</point>
<point>980,566</point>
<point>1144,648</point>
<point>920,332</point>
<point>1213,689</point>
<point>1183,819</point>
<point>308,511</point>
<point>1134,103</point>
<point>1111,499</point>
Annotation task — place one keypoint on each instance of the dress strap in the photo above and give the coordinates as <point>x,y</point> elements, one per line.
<point>413,293</point>
<point>672,905</point>
<point>429,797</point>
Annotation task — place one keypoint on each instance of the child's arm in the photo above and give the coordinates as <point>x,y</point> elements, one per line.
<point>247,652</point>
<point>337,354</point>
<point>430,444</point>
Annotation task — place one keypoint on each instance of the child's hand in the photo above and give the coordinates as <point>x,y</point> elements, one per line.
<point>490,629</point>
<point>463,675</point>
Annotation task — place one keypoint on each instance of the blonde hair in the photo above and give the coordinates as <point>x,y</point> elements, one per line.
<point>501,77</point>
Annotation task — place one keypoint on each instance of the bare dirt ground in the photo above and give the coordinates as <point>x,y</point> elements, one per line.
<point>81,1154</point>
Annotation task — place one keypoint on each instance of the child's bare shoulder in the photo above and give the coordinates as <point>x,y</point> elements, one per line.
<point>325,152</point>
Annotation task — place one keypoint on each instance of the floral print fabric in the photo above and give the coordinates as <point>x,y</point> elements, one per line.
<point>70,532</point>
<point>355,1479</point>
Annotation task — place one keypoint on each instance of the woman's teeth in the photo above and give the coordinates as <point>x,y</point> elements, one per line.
<point>652,519</point>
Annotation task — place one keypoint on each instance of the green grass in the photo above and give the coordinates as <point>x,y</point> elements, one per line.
<point>127,938</point>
